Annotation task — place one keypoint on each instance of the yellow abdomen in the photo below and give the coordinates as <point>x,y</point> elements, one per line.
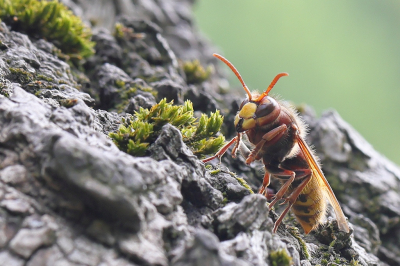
<point>310,206</point>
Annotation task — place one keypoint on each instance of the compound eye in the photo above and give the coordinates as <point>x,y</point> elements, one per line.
<point>264,109</point>
<point>243,103</point>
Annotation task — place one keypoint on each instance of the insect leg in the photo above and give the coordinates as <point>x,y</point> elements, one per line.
<point>286,174</point>
<point>291,199</point>
<point>237,145</point>
<point>275,133</point>
<point>283,174</point>
<point>222,151</point>
<point>265,184</point>
<point>282,190</point>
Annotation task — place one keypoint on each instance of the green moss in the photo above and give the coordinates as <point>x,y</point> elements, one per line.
<point>68,103</point>
<point>224,201</point>
<point>332,244</point>
<point>32,82</point>
<point>214,172</point>
<point>244,183</point>
<point>328,260</point>
<point>149,79</point>
<point>43,77</point>
<point>280,258</point>
<point>4,90</point>
<point>241,181</point>
<point>136,134</point>
<point>354,262</point>
<point>195,72</point>
<point>295,233</point>
<point>21,75</point>
<point>329,234</point>
<point>150,90</point>
<point>209,167</point>
<point>62,81</point>
<point>120,84</point>
<point>49,20</point>
<point>119,30</point>
<point>4,93</point>
<point>127,93</point>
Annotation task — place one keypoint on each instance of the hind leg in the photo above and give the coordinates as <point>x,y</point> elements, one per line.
<point>291,200</point>
<point>284,174</point>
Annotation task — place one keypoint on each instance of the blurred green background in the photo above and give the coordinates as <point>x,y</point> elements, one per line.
<point>339,54</point>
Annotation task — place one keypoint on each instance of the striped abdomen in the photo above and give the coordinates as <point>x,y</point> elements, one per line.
<point>310,206</point>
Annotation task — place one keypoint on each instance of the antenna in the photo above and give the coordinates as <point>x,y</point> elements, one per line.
<point>230,65</point>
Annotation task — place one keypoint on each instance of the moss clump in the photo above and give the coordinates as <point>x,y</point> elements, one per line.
<point>209,167</point>
<point>120,84</point>
<point>354,262</point>
<point>43,77</point>
<point>244,183</point>
<point>195,72</point>
<point>329,234</point>
<point>224,201</point>
<point>4,90</point>
<point>295,233</point>
<point>31,80</point>
<point>50,20</point>
<point>126,93</point>
<point>241,181</point>
<point>68,103</point>
<point>328,256</point>
<point>119,30</point>
<point>280,258</point>
<point>136,134</point>
<point>214,172</point>
<point>126,33</point>
<point>150,90</point>
<point>4,93</point>
<point>324,262</point>
<point>62,81</point>
<point>21,75</point>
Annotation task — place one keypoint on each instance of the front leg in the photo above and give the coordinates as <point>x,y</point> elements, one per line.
<point>237,145</point>
<point>222,151</point>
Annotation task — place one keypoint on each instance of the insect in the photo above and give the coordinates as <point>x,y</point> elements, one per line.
<point>277,133</point>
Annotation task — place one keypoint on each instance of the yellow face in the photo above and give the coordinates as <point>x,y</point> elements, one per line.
<point>245,119</point>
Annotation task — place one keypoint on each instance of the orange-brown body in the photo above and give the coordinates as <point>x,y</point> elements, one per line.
<point>283,152</point>
<point>278,137</point>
